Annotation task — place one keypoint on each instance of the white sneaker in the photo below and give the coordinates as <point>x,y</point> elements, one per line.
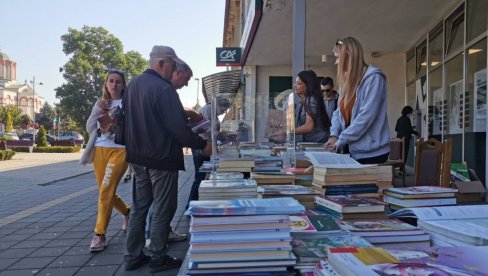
<point>176,237</point>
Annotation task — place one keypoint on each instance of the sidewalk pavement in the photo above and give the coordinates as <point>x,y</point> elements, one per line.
<point>48,207</point>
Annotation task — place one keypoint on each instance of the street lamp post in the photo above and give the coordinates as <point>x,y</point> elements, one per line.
<point>198,88</point>
<point>33,82</point>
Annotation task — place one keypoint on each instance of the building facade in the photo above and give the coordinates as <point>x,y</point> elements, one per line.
<point>433,54</point>
<point>12,93</point>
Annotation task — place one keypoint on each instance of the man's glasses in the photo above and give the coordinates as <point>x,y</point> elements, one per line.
<point>326,90</point>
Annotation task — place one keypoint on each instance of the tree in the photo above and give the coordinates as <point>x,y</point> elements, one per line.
<point>41,139</point>
<point>25,121</point>
<point>14,111</point>
<point>10,123</point>
<point>46,116</point>
<point>93,50</point>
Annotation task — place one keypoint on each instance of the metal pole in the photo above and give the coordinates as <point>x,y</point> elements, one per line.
<point>34,108</point>
<point>198,87</point>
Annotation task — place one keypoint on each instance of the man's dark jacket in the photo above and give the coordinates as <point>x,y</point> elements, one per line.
<point>156,126</point>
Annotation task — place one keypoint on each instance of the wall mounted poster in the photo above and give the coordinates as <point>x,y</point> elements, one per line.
<point>455,109</point>
<point>437,112</point>
<point>480,101</point>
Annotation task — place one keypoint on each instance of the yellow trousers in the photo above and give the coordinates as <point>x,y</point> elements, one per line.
<point>109,165</point>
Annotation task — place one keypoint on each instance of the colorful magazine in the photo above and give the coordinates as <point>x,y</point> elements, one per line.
<point>238,207</point>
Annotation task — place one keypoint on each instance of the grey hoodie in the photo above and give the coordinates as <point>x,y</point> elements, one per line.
<point>368,134</point>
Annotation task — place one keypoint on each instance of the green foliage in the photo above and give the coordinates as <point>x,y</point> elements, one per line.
<point>15,112</point>
<point>25,121</point>
<point>6,154</point>
<point>46,116</point>
<point>10,123</point>
<point>41,139</point>
<point>92,50</point>
<point>57,149</point>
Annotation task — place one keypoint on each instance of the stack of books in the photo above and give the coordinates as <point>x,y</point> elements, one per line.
<point>388,233</point>
<point>267,164</point>
<point>228,151</point>
<point>347,179</point>
<point>235,164</point>
<point>303,176</point>
<point>350,207</point>
<point>419,196</point>
<point>419,261</point>
<point>277,178</point>
<point>465,225</point>
<point>385,177</point>
<point>305,195</point>
<point>311,250</point>
<point>226,175</point>
<point>241,236</point>
<point>363,190</point>
<point>218,189</point>
<point>311,146</point>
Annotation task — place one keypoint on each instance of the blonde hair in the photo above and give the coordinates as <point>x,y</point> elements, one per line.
<point>350,68</point>
<point>105,93</point>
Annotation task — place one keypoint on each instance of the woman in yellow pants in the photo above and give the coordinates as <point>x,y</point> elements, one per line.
<point>108,158</point>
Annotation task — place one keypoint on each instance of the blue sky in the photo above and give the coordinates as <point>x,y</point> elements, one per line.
<point>31,33</point>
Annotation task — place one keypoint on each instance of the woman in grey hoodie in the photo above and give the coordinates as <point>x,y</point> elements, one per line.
<point>359,124</point>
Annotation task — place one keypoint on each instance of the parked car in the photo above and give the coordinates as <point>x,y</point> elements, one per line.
<point>67,135</point>
<point>9,135</point>
<point>26,136</point>
<point>50,138</point>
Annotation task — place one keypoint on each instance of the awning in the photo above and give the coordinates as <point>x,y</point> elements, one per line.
<point>223,84</point>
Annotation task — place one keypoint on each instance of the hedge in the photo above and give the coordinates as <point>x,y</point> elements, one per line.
<point>7,154</point>
<point>52,149</point>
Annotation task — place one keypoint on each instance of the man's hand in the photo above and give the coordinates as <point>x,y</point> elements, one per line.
<point>331,144</point>
<point>207,150</point>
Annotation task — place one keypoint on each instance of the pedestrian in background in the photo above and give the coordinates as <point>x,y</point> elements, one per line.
<point>405,130</point>
<point>108,158</point>
<point>156,130</point>
<point>360,124</point>
<point>311,118</point>
<point>329,95</point>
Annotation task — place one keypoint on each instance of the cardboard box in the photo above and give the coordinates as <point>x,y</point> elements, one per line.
<point>469,191</point>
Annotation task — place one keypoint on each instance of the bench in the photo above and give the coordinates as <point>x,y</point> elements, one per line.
<point>64,143</point>
<point>9,144</point>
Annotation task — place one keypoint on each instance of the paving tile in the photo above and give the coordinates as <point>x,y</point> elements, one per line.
<point>49,252</point>
<point>71,261</point>
<point>34,263</point>
<point>5,245</point>
<point>28,231</point>
<point>6,231</point>
<point>106,259</point>
<point>78,250</point>
<point>4,263</point>
<point>31,244</point>
<point>75,235</point>
<point>62,242</point>
<point>44,236</point>
<point>57,271</point>
<point>15,237</point>
<point>15,252</point>
<point>20,272</point>
<point>98,270</point>
<point>16,225</point>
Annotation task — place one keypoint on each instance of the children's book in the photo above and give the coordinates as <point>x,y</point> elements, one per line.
<point>313,224</point>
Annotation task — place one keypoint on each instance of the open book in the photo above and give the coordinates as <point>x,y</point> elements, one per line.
<point>323,159</point>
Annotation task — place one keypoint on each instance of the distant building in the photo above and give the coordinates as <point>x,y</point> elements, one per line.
<point>11,92</point>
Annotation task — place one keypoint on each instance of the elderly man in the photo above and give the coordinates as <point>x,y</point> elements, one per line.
<point>156,129</point>
<point>180,78</point>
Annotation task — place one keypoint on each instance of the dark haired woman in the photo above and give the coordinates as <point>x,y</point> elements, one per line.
<point>405,130</point>
<point>108,158</point>
<point>310,115</point>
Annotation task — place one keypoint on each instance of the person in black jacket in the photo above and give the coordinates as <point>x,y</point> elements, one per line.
<point>405,130</point>
<point>156,130</point>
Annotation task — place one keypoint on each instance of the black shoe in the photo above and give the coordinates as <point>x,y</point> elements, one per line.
<point>165,263</point>
<point>137,262</point>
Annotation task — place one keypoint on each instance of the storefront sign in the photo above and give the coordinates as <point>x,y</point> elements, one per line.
<point>229,56</point>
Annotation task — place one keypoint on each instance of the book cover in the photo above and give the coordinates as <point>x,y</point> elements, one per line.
<point>312,224</point>
<point>210,220</point>
<point>229,183</point>
<point>443,212</point>
<point>266,206</point>
<point>419,202</point>
<point>376,225</point>
<point>350,203</point>
<point>226,175</point>
<point>415,190</point>
<point>286,190</point>
<point>313,248</point>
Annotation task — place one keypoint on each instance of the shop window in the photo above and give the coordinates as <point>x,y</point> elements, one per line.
<point>436,111</point>
<point>411,65</point>
<point>454,106</point>
<point>435,47</point>
<point>454,36</point>
<point>477,18</point>
<point>278,85</point>
<point>475,120</point>
<point>421,57</point>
